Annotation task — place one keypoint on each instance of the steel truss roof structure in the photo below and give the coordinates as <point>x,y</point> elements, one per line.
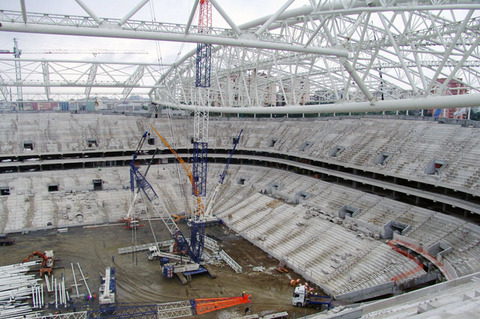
<point>329,56</point>
<point>110,79</point>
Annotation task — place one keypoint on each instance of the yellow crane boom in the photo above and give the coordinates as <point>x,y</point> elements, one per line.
<point>186,167</point>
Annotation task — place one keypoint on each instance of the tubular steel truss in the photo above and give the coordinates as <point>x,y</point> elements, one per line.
<point>63,79</point>
<point>361,55</point>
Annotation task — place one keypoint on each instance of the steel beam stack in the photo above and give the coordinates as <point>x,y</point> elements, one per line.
<point>16,288</point>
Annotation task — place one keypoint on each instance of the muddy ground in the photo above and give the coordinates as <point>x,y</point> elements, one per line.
<point>140,280</point>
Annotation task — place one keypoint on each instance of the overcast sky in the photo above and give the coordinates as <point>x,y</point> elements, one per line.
<point>173,11</point>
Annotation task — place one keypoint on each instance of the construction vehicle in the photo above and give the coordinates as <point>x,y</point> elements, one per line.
<point>208,217</point>
<point>188,253</point>
<point>106,294</point>
<point>305,297</point>
<point>47,261</point>
<point>154,253</point>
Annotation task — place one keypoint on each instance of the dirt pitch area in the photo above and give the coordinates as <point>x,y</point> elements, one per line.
<point>140,281</point>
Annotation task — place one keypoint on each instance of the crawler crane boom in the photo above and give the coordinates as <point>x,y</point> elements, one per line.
<point>141,182</point>
<point>200,208</point>
<point>192,249</point>
<point>208,217</point>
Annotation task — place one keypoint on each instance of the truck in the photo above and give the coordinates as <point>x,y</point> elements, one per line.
<point>302,297</point>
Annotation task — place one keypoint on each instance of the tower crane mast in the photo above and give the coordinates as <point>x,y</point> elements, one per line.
<point>201,116</point>
<point>204,51</point>
<point>194,249</point>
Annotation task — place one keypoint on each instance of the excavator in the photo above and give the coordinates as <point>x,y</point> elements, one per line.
<point>47,261</point>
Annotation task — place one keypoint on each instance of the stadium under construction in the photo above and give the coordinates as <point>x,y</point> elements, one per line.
<point>320,161</point>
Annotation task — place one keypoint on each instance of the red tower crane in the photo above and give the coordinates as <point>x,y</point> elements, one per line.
<point>205,16</point>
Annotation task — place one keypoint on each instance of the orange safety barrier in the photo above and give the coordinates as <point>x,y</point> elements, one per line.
<point>407,273</point>
<point>408,255</point>
<point>424,253</point>
<point>211,304</point>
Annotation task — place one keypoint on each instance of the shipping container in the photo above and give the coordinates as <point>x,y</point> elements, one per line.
<point>47,106</point>
<point>64,106</point>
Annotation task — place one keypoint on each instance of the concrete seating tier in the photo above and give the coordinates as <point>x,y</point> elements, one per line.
<point>412,144</point>
<point>321,247</point>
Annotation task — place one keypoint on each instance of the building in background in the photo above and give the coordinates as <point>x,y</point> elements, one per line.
<point>453,87</point>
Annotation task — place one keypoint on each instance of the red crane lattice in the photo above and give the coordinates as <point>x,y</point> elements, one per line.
<point>211,304</point>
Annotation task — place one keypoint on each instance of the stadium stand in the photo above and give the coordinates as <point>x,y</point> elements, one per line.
<point>319,229</point>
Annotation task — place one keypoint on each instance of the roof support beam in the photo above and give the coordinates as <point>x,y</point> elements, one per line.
<point>133,80</point>
<point>449,50</point>
<point>460,63</point>
<point>357,79</point>
<point>90,12</point>
<point>91,79</point>
<point>165,36</point>
<point>226,17</point>
<point>274,17</point>
<point>325,8</point>
<point>133,11</point>
<point>46,79</point>
<point>320,26</point>
<point>397,50</point>
<point>3,89</point>
<point>451,101</point>
<point>192,15</point>
<point>24,10</point>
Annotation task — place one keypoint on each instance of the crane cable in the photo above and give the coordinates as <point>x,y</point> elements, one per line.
<point>157,45</point>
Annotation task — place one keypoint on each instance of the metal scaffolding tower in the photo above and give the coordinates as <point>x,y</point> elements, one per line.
<point>202,80</point>
<point>204,51</point>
